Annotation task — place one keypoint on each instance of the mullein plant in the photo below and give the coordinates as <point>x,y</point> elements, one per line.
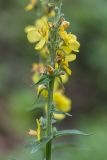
<point>57,48</point>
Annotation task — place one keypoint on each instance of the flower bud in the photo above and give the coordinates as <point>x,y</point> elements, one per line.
<point>50,69</point>
<point>65,24</point>
<point>32,132</point>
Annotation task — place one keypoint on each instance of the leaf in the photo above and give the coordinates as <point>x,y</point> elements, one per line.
<point>43,80</point>
<point>40,145</point>
<point>68,114</point>
<point>64,113</point>
<point>30,143</point>
<point>61,82</point>
<point>37,106</point>
<point>70,132</point>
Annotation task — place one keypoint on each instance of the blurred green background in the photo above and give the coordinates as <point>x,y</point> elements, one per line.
<point>87,86</point>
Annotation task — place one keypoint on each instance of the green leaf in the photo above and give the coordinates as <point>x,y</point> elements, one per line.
<point>61,82</point>
<point>64,113</point>
<point>68,114</point>
<point>40,145</point>
<point>70,132</point>
<point>43,80</point>
<point>30,143</point>
<point>37,106</point>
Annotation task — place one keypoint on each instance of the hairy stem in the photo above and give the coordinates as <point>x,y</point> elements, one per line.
<point>49,119</point>
<point>50,91</point>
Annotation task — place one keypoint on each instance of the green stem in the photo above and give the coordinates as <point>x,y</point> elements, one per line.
<point>50,91</point>
<point>49,119</point>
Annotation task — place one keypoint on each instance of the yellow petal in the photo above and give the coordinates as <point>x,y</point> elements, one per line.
<point>44,93</point>
<point>42,23</point>
<point>43,90</point>
<point>40,44</point>
<point>33,36</point>
<point>64,78</point>
<point>62,102</point>
<point>71,57</point>
<point>29,28</point>
<point>58,116</point>
<point>75,46</point>
<point>68,70</point>
<point>66,49</point>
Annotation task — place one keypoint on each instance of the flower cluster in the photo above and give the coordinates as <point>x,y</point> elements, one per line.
<point>57,48</point>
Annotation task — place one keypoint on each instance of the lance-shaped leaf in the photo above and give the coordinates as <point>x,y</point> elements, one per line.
<point>40,145</point>
<point>70,132</point>
<point>64,113</point>
<point>36,106</point>
<point>43,80</point>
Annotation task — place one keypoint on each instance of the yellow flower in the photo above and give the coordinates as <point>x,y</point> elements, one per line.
<point>58,116</point>
<point>63,60</point>
<point>36,133</point>
<point>64,78</point>
<point>38,33</point>
<point>62,103</point>
<point>65,63</point>
<point>43,90</point>
<point>70,42</point>
<point>31,5</point>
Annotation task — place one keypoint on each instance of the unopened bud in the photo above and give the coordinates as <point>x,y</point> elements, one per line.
<point>65,24</point>
<point>32,132</point>
<point>50,69</point>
